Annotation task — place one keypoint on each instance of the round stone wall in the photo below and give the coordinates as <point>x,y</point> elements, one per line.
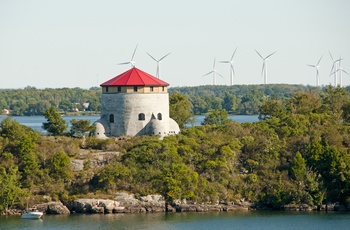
<point>129,113</point>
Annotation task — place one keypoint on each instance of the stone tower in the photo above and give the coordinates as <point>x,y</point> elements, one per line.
<point>135,103</point>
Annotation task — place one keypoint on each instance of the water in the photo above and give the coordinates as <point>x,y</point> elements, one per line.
<point>36,122</point>
<point>237,118</point>
<point>257,220</point>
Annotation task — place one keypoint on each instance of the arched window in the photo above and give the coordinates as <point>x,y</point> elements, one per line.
<point>159,116</point>
<point>141,116</point>
<point>111,118</point>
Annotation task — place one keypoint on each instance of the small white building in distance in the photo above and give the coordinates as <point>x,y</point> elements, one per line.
<point>135,103</point>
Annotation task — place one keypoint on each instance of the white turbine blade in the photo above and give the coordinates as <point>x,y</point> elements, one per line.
<point>124,63</point>
<point>208,73</point>
<point>333,73</point>
<point>259,54</point>
<point>233,54</point>
<point>311,65</point>
<point>132,57</point>
<point>224,61</point>
<point>330,55</point>
<point>338,60</point>
<point>332,69</point>
<point>152,57</point>
<point>164,57</point>
<point>319,60</point>
<point>270,55</point>
<point>219,74</point>
<point>214,63</point>
<point>345,72</point>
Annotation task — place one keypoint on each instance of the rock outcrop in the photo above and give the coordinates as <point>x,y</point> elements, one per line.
<point>123,203</point>
<point>52,208</point>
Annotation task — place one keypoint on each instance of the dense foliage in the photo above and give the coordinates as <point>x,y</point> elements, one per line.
<point>297,153</point>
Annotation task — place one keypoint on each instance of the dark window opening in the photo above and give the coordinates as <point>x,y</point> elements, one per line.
<point>151,88</point>
<point>163,88</point>
<point>142,117</point>
<point>135,88</point>
<point>107,89</point>
<point>159,116</point>
<point>111,118</point>
<point>119,89</point>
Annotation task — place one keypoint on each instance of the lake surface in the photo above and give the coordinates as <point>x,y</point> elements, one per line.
<point>36,122</point>
<point>224,220</point>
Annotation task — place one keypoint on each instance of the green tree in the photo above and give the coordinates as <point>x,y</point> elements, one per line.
<point>80,127</point>
<point>55,124</point>
<point>217,118</point>
<point>10,192</point>
<point>20,142</point>
<point>298,167</point>
<point>65,105</point>
<point>180,109</point>
<point>59,167</point>
<point>230,102</point>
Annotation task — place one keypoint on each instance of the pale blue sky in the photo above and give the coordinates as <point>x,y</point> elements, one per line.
<point>78,43</point>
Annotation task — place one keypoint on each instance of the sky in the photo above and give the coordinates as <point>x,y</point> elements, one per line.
<point>79,43</point>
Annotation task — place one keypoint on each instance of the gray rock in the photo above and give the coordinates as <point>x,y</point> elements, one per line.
<point>77,165</point>
<point>52,208</point>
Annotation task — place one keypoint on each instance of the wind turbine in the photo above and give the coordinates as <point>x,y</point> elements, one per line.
<point>132,62</point>
<point>214,72</point>
<point>340,70</point>
<point>158,64</point>
<point>334,69</point>
<point>264,66</point>
<point>232,70</point>
<point>316,67</point>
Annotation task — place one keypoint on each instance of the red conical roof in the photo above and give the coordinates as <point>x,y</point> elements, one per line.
<point>134,77</point>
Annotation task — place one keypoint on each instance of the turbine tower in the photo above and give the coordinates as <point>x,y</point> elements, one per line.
<point>214,72</point>
<point>317,72</point>
<point>264,66</point>
<point>132,62</point>
<point>232,70</point>
<point>158,63</point>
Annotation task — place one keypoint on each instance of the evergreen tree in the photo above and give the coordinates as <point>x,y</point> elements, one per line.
<point>55,124</point>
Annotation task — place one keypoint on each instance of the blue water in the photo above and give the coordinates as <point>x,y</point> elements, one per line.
<point>257,220</point>
<point>36,122</point>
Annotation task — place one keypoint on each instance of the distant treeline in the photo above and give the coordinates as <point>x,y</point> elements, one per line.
<point>31,101</point>
<point>237,99</point>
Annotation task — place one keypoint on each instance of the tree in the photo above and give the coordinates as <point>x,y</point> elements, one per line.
<point>217,118</point>
<point>230,102</point>
<point>20,142</point>
<point>59,167</point>
<point>80,127</point>
<point>55,124</point>
<point>180,109</point>
<point>298,167</point>
<point>10,192</point>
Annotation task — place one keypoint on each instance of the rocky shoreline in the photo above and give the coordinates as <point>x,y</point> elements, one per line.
<point>127,203</point>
